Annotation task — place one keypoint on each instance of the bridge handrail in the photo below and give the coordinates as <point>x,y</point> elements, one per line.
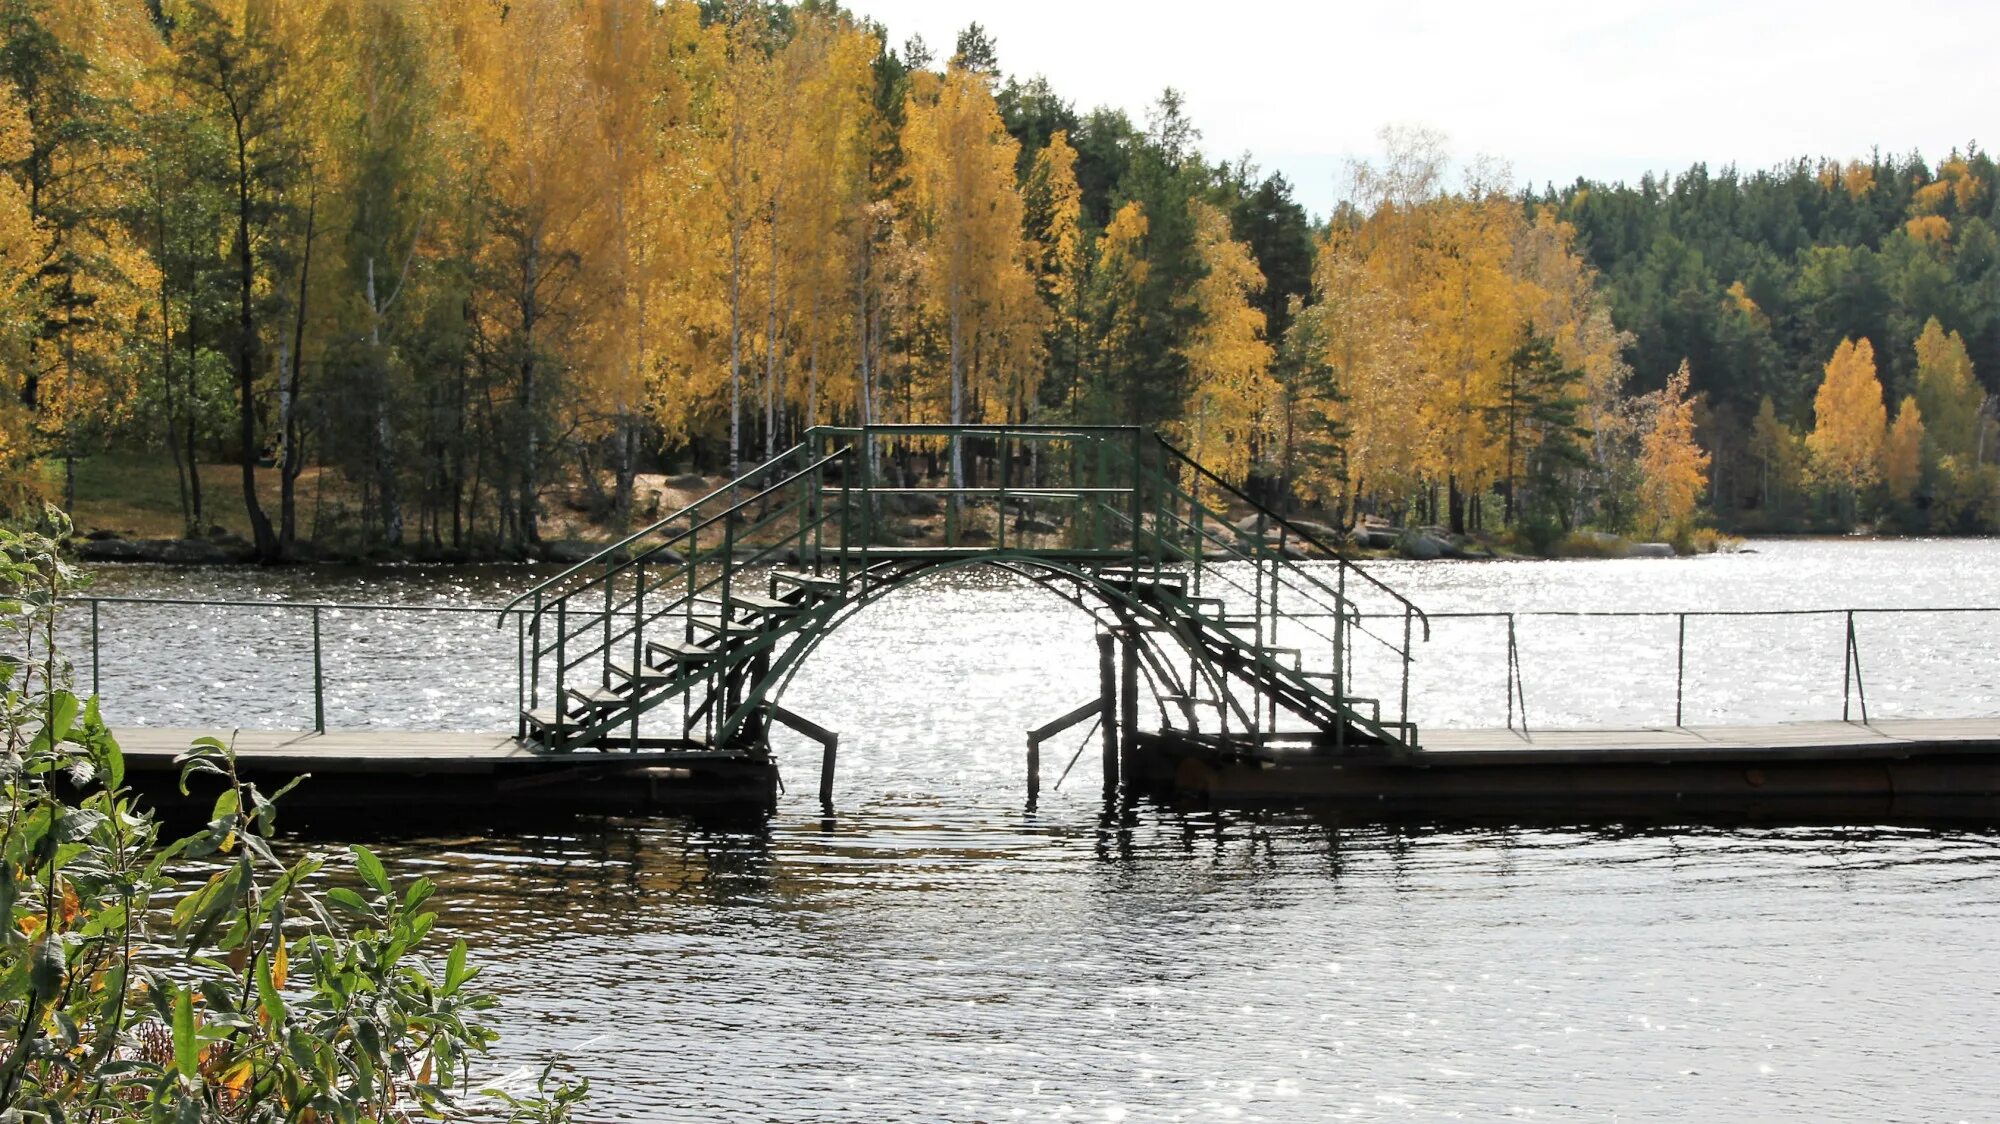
<point>635,536</point>
<point>1338,554</point>
<point>679,603</point>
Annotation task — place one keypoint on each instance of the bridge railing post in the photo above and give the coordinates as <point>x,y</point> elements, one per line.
<point>562,652</point>
<point>1138,499</point>
<point>93,647</point>
<point>1404,707</point>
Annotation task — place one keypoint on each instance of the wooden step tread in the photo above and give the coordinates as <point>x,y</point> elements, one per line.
<point>717,626</point>
<point>679,651</point>
<point>595,700</point>
<point>545,719</point>
<point>815,583</point>
<point>757,603</point>
<point>645,673</point>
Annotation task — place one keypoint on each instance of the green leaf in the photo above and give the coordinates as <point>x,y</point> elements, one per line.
<point>225,804</point>
<point>187,1050</point>
<point>46,976</point>
<point>351,902</point>
<point>455,971</point>
<point>372,871</point>
<point>268,997</point>
<point>62,716</point>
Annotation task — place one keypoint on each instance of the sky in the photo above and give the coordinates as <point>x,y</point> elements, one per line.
<point>1557,89</point>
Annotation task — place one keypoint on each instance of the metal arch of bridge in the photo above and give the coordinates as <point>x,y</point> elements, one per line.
<point>717,605</point>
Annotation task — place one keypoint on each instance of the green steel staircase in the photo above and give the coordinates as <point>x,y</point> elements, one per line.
<point>685,635</point>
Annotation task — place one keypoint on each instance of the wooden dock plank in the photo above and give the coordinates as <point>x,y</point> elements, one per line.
<point>1784,739</point>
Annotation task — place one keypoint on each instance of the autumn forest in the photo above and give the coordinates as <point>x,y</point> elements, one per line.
<point>464,257</point>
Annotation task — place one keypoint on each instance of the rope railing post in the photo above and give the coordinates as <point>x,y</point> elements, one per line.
<point>93,647</point>
<point>1510,671</point>
<point>1854,659</point>
<point>1847,669</point>
<point>1680,665</point>
<point>319,690</point>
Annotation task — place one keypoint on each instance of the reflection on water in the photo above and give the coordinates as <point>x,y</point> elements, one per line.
<point>965,967</point>
<point>934,954</point>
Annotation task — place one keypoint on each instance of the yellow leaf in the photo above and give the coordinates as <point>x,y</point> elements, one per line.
<point>280,966</point>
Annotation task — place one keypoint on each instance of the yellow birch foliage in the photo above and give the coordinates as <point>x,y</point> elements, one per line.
<point>1902,451</point>
<point>1848,418</point>
<point>1229,363</point>
<point>1778,451</point>
<point>23,246</point>
<point>1054,212</point>
<point>1673,467</point>
<point>826,65</point>
<point>963,209</point>
<point>1366,350</point>
<point>1948,393</point>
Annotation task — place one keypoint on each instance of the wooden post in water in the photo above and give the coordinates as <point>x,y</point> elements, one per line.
<point>1128,703</point>
<point>1107,681</point>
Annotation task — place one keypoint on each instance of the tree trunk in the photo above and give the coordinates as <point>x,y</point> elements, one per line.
<point>294,460</point>
<point>246,362</point>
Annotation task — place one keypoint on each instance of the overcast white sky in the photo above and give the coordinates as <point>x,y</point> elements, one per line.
<point>1558,89</point>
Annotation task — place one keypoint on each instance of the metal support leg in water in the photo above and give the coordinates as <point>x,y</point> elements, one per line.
<point>1128,705</point>
<point>1107,681</point>
<point>1043,733</point>
<point>829,744</point>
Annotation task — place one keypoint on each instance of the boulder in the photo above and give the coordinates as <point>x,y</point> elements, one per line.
<point>1374,536</point>
<point>688,482</point>
<point>1423,546</point>
<point>1650,550</point>
<point>569,551</point>
<point>1320,531</point>
<point>103,534</point>
<point>166,552</point>
<point>1033,526</point>
<point>907,503</point>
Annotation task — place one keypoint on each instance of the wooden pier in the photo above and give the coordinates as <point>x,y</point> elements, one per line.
<point>1899,771</point>
<point>401,775</point>
<point>1896,771</point>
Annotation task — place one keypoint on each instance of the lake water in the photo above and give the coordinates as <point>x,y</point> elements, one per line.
<point>935,953</point>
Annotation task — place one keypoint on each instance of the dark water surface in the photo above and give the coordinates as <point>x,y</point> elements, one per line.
<point>937,954</point>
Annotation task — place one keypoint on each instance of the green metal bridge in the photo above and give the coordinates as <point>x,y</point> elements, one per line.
<point>1242,629</point>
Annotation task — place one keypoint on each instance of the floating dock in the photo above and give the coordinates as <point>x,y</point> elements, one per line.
<point>1895,771</point>
<point>1899,771</point>
<point>428,775</point>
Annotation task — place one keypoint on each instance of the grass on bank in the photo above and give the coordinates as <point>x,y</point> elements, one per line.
<point>136,495</point>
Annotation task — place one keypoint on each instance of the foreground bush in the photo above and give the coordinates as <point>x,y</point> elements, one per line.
<point>201,978</point>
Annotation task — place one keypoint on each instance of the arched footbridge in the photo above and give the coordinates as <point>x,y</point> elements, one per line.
<point>1226,619</point>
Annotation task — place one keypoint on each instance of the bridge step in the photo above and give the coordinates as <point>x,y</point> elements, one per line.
<point>677,651</point>
<point>646,675</point>
<point>812,584</point>
<point>757,605</point>
<point>726,629</point>
<point>594,701</point>
<point>551,728</point>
